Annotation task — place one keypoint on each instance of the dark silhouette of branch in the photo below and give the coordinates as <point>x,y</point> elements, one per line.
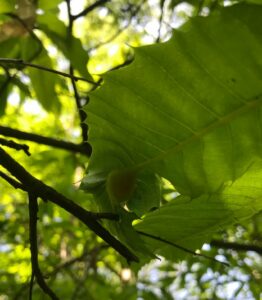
<point>80,148</point>
<point>90,8</point>
<point>47,193</point>
<point>84,256</point>
<point>162,6</point>
<point>34,55</point>
<point>10,78</point>
<point>36,272</point>
<point>12,181</point>
<point>181,247</point>
<point>31,32</point>
<point>81,112</point>
<point>17,185</point>
<point>134,12</point>
<point>31,286</point>
<point>236,246</point>
<point>20,63</point>
<point>14,145</point>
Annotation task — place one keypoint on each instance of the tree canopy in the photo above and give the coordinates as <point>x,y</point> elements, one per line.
<point>130,149</point>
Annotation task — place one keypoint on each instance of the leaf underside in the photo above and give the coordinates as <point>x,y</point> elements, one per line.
<point>188,110</point>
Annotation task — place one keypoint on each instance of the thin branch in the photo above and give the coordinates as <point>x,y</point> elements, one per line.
<point>80,148</point>
<point>89,9</point>
<point>18,185</point>
<point>19,62</point>
<point>40,189</point>
<point>14,145</point>
<point>12,181</point>
<point>162,6</point>
<point>84,256</point>
<point>31,32</point>
<point>81,113</point>
<point>31,286</point>
<point>236,246</point>
<point>34,55</point>
<point>81,257</point>
<point>119,31</point>
<point>181,247</point>
<point>33,210</point>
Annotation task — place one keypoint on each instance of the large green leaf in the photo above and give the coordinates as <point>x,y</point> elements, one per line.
<point>188,110</point>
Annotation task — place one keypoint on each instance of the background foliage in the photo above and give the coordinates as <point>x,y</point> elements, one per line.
<point>86,39</point>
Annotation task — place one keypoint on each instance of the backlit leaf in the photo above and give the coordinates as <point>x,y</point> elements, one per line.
<point>188,110</point>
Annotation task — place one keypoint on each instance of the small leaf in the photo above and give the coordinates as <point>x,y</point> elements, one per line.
<point>44,83</point>
<point>30,48</point>
<point>71,47</point>
<point>10,48</point>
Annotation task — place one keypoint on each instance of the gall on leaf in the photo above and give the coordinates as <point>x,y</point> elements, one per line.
<point>120,186</point>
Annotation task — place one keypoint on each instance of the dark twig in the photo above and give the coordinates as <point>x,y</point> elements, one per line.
<point>119,31</point>
<point>19,62</point>
<point>80,148</point>
<point>84,256</point>
<point>31,32</point>
<point>162,6</point>
<point>12,182</point>
<point>17,185</point>
<point>31,285</point>
<point>14,145</point>
<point>90,8</point>
<point>33,210</point>
<point>38,188</point>
<point>81,112</point>
<point>181,247</point>
<point>236,246</point>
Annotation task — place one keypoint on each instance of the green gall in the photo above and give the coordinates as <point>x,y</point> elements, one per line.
<point>120,185</point>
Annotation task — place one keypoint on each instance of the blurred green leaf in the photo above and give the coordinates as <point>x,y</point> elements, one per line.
<point>10,48</point>
<point>7,6</point>
<point>30,48</point>
<point>71,47</point>
<point>48,4</point>
<point>44,83</point>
